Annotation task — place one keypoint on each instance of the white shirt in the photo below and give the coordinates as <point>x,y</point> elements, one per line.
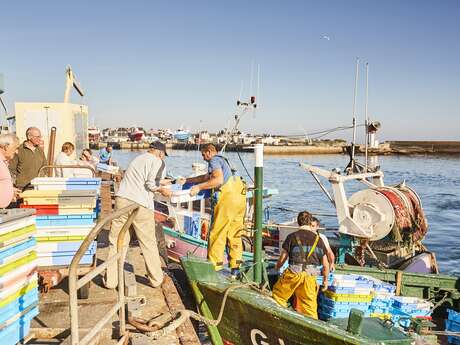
<point>63,159</point>
<point>141,178</point>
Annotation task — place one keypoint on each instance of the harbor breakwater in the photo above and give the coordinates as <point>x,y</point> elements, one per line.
<point>387,148</point>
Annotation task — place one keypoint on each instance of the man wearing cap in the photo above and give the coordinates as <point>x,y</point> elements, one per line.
<point>141,180</point>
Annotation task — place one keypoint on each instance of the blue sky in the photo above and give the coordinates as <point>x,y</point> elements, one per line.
<point>172,63</point>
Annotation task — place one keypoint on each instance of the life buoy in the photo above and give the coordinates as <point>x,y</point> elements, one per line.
<point>204,230</point>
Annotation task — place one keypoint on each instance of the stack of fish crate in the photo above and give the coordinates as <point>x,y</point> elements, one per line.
<point>453,325</point>
<point>346,292</point>
<point>66,211</point>
<point>18,275</point>
<point>405,308</point>
<point>383,299</point>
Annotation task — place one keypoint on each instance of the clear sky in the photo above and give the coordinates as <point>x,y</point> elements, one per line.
<point>172,63</point>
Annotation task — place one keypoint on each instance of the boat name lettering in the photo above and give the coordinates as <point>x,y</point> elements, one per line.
<point>259,338</point>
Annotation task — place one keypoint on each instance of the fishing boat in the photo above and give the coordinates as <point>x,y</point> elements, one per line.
<point>94,135</point>
<point>136,134</point>
<point>182,134</point>
<point>380,235</point>
<point>252,317</point>
<point>186,223</point>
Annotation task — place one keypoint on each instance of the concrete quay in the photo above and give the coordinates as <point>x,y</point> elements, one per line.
<point>52,325</point>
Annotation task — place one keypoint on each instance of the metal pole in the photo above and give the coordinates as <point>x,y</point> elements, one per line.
<point>258,207</point>
<point>366,116</point>
<point>354,116</point>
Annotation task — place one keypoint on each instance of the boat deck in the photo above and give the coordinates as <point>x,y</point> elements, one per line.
<point>52,325</point>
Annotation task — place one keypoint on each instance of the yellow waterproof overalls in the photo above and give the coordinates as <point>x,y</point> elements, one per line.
<point>303,285</point>
<point>229,207</point>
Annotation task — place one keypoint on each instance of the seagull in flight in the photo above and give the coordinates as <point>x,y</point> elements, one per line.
<point>326,37</point>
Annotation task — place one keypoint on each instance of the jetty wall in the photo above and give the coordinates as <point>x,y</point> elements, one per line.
<point>425,147</point>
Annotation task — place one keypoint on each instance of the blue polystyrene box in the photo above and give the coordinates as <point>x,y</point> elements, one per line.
<point>64,220</point>
<point>18,305</point>
<point>192,225</point>
<point>18,330</point>
<point>13,249</point>
<point>205,193</point>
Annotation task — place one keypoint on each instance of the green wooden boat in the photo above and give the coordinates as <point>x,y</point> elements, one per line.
<point>251,317</point>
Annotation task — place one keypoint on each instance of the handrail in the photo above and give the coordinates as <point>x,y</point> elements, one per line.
<point>70,166</point>
<point>75,283</point>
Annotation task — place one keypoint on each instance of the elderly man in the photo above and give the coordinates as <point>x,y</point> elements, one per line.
<point>141,180</point>
<point>229,206</point>
<point>9,144</point>
<point>29,160</point>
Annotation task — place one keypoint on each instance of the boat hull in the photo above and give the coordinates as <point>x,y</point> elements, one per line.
<point>180,244</point>
<point>252,318</point>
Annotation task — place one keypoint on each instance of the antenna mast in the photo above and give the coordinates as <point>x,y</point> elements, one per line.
<point>354,117</point>
<point>366,117</point>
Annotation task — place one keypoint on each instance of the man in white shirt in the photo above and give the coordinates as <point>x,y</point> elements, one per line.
<point>141,180</point>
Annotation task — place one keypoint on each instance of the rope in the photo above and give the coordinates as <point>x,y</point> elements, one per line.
<point>244,166</point>
<point>163,324</point>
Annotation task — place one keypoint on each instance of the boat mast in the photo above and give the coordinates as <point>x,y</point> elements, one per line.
<point>354,117</point>
<point>258,211</point>
<point>366,116</point>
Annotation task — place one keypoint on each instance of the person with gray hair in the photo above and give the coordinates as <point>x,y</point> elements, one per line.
<point>9,144</point>
<point>29,159</point>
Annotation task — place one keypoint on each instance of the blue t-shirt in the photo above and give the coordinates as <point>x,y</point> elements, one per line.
<point>104,156</point>
<point>218,162</point>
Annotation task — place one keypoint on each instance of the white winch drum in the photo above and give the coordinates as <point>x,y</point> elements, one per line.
<point>371,198</point>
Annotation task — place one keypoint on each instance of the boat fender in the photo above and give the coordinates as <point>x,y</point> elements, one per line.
<point>204,230</point>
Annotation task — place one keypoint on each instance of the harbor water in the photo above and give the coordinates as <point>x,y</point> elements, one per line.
<point>433,177</point>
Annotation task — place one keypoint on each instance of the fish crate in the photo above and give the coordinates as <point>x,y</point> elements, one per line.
<point>453,325</point>
<point>66,220</point>
<point>453,315</point>
<point>347,297</point>
<point>19,329</point>
<point>351,290</point>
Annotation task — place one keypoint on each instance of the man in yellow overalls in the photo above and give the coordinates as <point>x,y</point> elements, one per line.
<point>229,206</point>
<point>306,252</point>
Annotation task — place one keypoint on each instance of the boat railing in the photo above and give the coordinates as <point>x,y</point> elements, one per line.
<point>76,283</point>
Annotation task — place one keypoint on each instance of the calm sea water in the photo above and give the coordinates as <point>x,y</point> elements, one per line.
<point>435,178</point>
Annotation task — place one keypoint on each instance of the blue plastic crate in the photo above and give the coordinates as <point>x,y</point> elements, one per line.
<point>400,318</point>
<point>65,220</point>
<point>192,225</point>
<point>453,340</point>
<point>330,302</point>
<point>343,308</point>
<point>453,315</point>
<point>452,326</point>
<point>18,305</point>
<point>63,260</point>
<point>18,330</point>
<point>15,248</point>
<point>358,290</point>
